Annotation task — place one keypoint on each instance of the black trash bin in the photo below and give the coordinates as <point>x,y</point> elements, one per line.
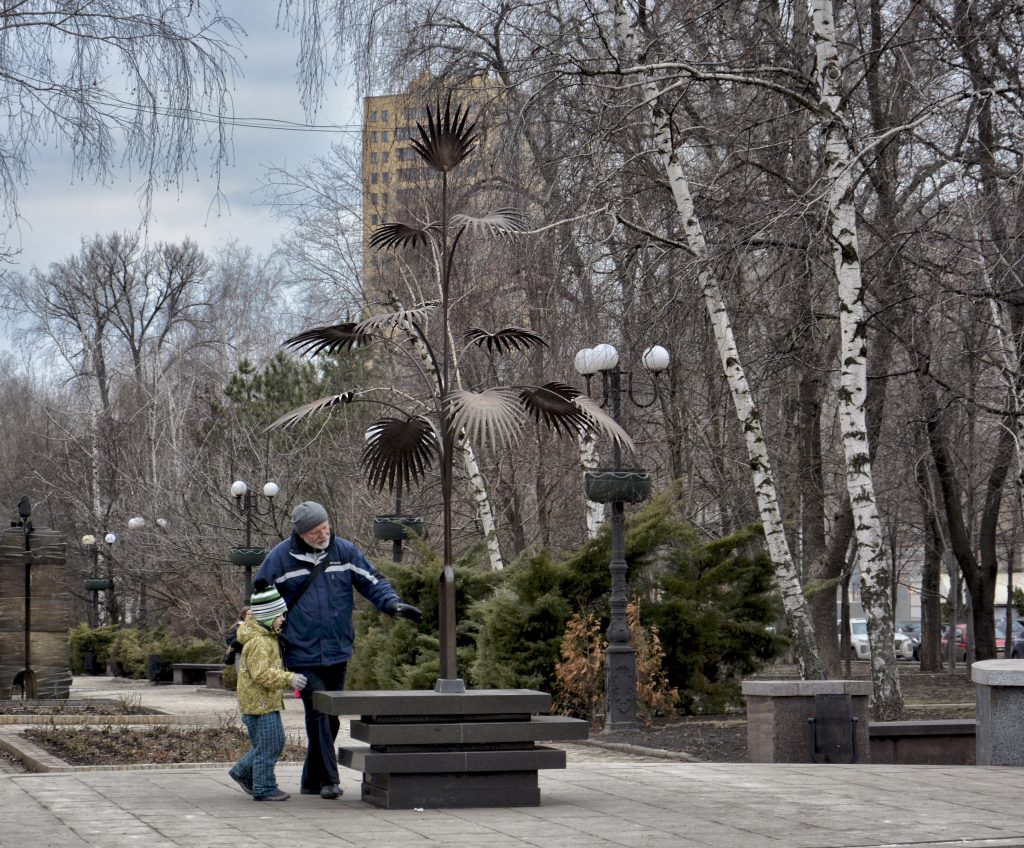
<point>156,668</point>
<point>89,662</point>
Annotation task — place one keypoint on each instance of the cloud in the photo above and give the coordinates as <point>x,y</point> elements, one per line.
<point>58,209</point>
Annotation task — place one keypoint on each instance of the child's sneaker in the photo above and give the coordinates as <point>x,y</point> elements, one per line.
<point>276,795</point>
<point>246,787</point>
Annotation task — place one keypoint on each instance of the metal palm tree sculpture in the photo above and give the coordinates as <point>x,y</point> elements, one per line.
<point>403,447</point>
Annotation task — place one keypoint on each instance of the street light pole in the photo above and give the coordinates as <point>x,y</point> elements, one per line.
<point>620,659</point>
<point>137,523</point>
<point>247,502</point>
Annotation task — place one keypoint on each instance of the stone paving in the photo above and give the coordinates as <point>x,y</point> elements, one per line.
<point>603,799</point>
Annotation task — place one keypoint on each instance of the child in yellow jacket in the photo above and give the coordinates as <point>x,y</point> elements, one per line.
<point>261,681</point>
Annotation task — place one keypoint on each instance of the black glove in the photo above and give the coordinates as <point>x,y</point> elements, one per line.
<point>408,611</point>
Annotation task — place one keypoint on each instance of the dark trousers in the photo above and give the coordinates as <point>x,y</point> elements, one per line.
<point>321,766</point>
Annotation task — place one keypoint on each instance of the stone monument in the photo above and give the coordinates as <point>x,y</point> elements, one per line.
<point>34,614</point>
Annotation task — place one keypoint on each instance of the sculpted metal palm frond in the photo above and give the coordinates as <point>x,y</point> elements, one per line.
<point>506,340</point>
<point>500,222</point>
<point>398,235</point>
<point>446,140</point>
<point>388,321</point>
<point>306,410</point>
<point>399,449</point>
<point>601,422</point>
<point>331,339</point>
<point>493,416</point>
<point>552,405</point>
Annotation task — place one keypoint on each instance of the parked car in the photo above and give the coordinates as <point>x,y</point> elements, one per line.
<point>912,630</point>
<point>1017,651</point>
<point>961,642</point>
<point>861,650</point>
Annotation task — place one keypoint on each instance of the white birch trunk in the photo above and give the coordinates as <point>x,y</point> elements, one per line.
<point>797,611</point>
<point>588,462</point>
<point>877,591</point>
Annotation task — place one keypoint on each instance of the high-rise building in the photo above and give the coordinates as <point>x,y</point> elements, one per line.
<point>395,180</point>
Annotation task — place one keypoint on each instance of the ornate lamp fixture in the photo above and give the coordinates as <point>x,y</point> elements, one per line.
<point>247,502</point>
<point>619,486</point>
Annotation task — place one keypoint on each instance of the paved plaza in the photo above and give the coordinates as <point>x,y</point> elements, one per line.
<point>604,798</point>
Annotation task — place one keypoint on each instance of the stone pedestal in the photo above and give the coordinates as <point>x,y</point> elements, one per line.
<point>778,730</point>
<point>440,750</point>
<point>1000,698</point>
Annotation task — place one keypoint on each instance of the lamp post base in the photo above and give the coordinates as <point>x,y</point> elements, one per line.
<point>620,686</point>
<point>450,686</point>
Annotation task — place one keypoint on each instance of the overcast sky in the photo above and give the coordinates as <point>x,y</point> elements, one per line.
<point>58,209</point>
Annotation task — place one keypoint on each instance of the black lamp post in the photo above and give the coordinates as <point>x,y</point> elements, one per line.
<point>96,584</point>
<point>618,486</point>
<point>137,523</point>
<point>247,502</point>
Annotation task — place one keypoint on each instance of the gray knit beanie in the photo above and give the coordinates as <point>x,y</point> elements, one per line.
<point>307,515</point>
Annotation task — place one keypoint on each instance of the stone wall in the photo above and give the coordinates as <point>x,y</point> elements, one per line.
<point>49,675</point>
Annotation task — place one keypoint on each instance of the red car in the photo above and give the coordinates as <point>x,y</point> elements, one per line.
<point>961,642</point>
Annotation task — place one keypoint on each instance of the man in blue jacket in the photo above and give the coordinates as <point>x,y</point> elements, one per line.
<point>315,571</point>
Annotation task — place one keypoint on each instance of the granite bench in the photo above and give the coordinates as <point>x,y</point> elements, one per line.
<point>440,750</point>
<point>193,672</point>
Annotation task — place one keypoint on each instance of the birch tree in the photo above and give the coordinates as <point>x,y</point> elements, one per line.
<point>797,612</point>
<point>841,216</point>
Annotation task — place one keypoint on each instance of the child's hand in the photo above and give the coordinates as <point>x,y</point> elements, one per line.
<point>298,681</point>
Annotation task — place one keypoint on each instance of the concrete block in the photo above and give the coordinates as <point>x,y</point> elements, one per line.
<point>931,742</point>
<point>998,673</point>
<point>778,730</point>
<point>535,729</point>
<point>368,760</point>
<point>426,702</point>
<point>434,791</point>
<point>1000,701</point>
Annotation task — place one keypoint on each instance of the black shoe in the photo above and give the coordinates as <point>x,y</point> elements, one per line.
<point>330,792</point>
<point>276,795</point>
<point>304,791</point>
<point>246,787</point>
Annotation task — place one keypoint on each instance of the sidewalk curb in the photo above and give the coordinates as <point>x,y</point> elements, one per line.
<point>640,750</point>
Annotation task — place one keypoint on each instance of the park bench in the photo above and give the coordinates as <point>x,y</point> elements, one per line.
<point>193,672</point>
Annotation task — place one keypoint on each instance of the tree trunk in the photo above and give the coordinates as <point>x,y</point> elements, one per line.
<point>588,462</point>
<point>876,577</point>
<point>931,592</point>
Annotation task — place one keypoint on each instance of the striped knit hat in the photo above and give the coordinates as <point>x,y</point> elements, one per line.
<point>267,605</point>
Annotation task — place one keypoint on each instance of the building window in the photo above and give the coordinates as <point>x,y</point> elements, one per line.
<point>385,156</point>
<point>384,199</point>
<point>373,116</point>
<point>386,177</point>
<point>373,199</point>
<point>406,154</point>
<point>384,115</point>
<point>383,135</point>
<point>374,219</point>
<point>373,178</point>
<point>373,136</point>
<point>373,158</point>
<point>407,174</point>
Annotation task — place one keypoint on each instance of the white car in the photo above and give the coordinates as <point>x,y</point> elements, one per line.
<point>860,650</point>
